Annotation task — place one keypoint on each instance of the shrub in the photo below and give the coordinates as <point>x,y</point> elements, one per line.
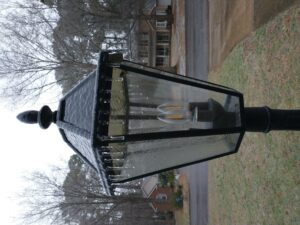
<point>177,198</point>
<point>166,179</point>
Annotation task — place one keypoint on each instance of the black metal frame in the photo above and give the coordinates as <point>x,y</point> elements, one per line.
<point>102,172</point>
<point>105,70</point>
<point>172,134</point>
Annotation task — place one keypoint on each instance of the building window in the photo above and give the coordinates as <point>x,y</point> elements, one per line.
<point>161,12</point>
<point>161,198</point>
<point>162,50</point>
<point>162,61</point>
<point>162,37</point>
<point>161,24</point>
<point>159,61</point>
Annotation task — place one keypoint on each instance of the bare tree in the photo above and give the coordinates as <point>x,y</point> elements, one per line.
<point>50,42</point>
<point>74,196</point>
<point>27,58</point>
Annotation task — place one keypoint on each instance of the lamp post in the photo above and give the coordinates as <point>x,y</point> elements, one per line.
<point>128,121</point>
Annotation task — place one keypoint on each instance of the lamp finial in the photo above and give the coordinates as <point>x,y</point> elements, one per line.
<point>44,117</point>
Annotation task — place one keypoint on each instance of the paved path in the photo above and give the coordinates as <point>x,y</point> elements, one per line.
<point>224,23</point>
<point>196,176</point>
<point>196,17</point>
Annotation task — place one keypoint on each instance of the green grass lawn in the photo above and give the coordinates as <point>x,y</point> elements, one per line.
<point>261,183</point>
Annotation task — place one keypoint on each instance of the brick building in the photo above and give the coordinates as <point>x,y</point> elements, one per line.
<point>153,34</point>
<point>160,196</point>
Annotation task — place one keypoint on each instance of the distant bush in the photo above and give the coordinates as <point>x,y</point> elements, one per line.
<point>177,198</point>
<point>166,178</point>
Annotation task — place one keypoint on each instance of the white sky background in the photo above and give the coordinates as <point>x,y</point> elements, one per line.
<point>24,148</point>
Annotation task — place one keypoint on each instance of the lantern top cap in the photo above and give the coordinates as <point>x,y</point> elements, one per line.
<point>44,117</point>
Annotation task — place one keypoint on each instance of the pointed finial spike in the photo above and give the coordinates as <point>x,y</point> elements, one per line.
<point>29,117</point>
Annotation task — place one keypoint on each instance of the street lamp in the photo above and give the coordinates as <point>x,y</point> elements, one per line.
<point>129,121</point>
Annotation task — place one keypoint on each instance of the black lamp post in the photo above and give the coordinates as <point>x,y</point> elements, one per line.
<point>129,121</point>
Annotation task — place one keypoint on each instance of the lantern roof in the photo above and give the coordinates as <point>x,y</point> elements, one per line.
<point>76,119</point>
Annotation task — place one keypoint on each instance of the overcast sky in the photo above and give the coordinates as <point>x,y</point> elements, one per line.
<point>24,148</point>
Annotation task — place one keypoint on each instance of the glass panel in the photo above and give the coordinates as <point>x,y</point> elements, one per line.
<point>118,104</point>
<point>170,75</point>
<point>143,104</point>
<point>139,158</point>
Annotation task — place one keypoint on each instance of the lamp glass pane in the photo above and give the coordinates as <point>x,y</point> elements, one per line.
<point>145,104</point>
<point>145,157</point>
